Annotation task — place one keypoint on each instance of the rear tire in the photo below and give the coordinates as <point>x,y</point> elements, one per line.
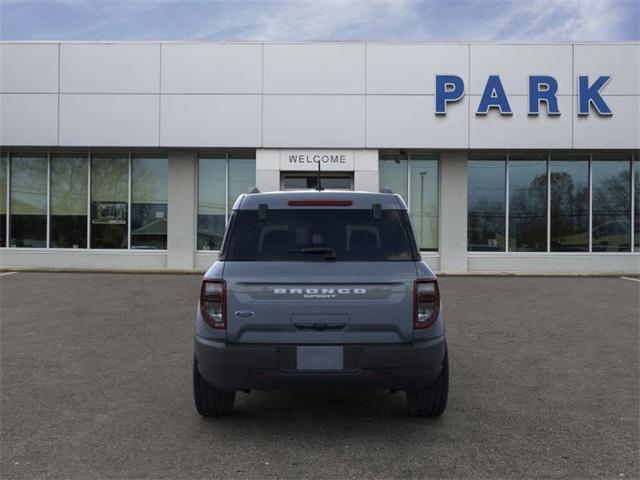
<point>431,401</point>
<point>211,402</point>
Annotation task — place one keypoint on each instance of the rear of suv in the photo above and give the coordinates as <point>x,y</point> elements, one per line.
<point>320,290</point>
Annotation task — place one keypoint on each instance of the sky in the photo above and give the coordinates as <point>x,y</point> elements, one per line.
<point>321,20</point>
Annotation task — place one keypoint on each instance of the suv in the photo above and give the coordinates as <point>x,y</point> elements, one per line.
<point>320,290</point>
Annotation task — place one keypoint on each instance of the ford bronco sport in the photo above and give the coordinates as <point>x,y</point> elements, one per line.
<point>320,290</point>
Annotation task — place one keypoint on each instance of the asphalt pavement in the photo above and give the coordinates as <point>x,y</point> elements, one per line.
<point>96,383</point>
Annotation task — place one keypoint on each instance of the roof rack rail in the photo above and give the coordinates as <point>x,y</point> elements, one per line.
<point>253,190</point>
<point>386,190</point>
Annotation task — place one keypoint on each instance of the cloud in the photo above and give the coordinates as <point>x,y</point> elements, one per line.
<point>332,20</point>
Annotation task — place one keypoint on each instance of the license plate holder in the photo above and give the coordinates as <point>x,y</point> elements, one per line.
<point>320,358</point>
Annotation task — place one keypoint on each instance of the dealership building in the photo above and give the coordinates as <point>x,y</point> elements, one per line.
<point>510,157</point>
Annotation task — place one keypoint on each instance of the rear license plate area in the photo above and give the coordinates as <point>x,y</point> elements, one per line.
<point>312,358</point>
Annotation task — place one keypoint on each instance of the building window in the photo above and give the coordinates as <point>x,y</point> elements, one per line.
<point>394,172</point>
<point>487,204</point>
<point>569,209</point>
<point>28,207</point>
<point>4,165</point>
<point>222,178</point>
<point>149,196</point>
<point>611,184</point>
<point>527,203</point>
<point>423,199</point>
<point>636,202</point>
<point>549,197</point>
<point>414,176</point>
<point>309,181</point>
<point>109,197</point>
<point>242,176</point>
<point>211,202</point>
<point>68,208</point>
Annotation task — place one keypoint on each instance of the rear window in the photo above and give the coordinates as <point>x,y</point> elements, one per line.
<point>319,235</point>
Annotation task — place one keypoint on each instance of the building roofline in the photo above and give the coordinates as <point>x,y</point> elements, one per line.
<point>319,42</point>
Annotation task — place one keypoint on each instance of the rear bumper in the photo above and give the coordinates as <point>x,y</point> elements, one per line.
<point>231,367</point>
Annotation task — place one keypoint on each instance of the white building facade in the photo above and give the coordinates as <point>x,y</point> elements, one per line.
<point>511,157</point>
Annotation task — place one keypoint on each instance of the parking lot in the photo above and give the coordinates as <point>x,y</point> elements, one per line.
<point>96,383</point>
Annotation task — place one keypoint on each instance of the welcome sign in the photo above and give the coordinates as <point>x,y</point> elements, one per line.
<point>307,160</point>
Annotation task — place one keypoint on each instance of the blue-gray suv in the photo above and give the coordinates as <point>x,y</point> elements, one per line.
<point>320,290</point>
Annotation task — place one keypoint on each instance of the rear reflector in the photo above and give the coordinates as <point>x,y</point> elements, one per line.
<point>320,203</point>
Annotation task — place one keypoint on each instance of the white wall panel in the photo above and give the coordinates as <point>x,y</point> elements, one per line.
<point>211,120</point>
<point>620,61</point>
<point>411,69</point>
<point>521,130</point>
<point>555,263</point>
<point>314,68</point>
<point>28,119</point>
<point>621,130</point>
<point>66,259</point>
<point>514,64</point>
<point>211,68</point>
<point>313,121</point>
<point>110,68</point>
<point>409,121</point>
<point>109,120</point>
<point>28,68</point>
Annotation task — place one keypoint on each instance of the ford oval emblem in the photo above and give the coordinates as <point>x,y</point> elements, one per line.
<point>244,313</point>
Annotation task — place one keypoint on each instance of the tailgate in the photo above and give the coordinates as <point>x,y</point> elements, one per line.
<point>319,302</point>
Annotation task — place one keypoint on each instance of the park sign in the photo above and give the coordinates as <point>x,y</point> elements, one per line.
<point>542,89</point>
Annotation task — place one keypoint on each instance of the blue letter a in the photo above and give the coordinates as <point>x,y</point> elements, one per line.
<point>494,97</point>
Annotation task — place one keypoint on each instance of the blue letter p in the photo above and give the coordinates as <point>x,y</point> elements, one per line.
<point>449,88</point>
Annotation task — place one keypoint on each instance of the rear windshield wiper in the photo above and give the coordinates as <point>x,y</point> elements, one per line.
<point>329,253</point>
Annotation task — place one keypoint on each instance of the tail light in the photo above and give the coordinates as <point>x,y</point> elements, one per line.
<point>426,303</point>
<point>213,303</point>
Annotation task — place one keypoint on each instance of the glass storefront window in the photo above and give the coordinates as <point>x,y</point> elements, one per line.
<point>330,181</point>
<point>242,176</point>
<point>69,183</point>
<point>222,178</point>
<point>527,203</point>
<point>423,203</point>
<point>486,204</point>
<point>415,177</point>
<point>394,172</point>
<point>28,208</point>
<point>636,189</point>
<point>569,203</point>
<point>3,199</point>
<point>109,198</point>
<point>611,184</point>
<point>211,202</point>
<point>149,197</point>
